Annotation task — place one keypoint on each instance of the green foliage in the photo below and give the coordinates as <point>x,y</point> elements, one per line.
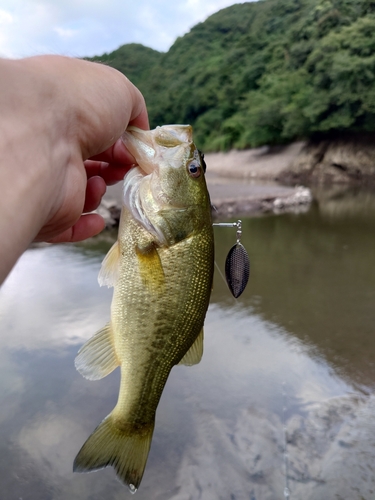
<point>263,72</point>
<point>134,60</point>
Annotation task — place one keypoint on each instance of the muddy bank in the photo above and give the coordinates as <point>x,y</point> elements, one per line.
<point>240,183</point>
<point>343,159</point>
<point>259,164</point>
<point>269,179</point>
<point>229,197</point>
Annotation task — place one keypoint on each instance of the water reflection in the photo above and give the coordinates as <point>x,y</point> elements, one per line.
<point>303,326</point>
<point>314,274</point>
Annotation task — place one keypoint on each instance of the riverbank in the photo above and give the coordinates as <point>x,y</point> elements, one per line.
<point>240,183</point>
<point>338,158</point>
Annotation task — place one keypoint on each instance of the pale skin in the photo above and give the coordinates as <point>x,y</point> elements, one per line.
<point>61,120</point>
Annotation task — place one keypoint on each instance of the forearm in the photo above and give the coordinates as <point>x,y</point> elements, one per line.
<point>28,141</point>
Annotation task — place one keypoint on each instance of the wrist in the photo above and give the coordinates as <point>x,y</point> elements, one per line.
<point>30,143</point>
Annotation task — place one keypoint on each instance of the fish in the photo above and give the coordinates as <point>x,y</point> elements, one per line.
<point>161,269</point>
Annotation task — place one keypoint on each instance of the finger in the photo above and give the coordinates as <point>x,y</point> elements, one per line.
<point>109,173</point>
<point>141,120</point>
<point>95,190</point>
<point>116,154</point>
<point>87,226</point>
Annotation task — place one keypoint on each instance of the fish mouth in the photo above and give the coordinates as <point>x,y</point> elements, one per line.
<point>150,147</point>
<point>138,143</point>
<point>154,151</point>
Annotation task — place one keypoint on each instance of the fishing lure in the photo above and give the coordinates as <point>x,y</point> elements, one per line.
<point>237,263</point>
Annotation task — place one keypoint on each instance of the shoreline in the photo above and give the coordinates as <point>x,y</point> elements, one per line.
<point>240,183</point>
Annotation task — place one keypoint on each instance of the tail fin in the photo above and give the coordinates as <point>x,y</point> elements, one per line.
<point>124,447</point>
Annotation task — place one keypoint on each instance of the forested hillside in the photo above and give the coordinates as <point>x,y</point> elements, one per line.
<point>134,60</point>
<point>263,72</point>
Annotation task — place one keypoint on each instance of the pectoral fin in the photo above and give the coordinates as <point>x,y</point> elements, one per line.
<point>109,271</point>
<point>195,353</point>
<point>97,358</point>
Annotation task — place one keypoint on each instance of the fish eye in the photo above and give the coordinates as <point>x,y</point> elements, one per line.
<point>194,169</point>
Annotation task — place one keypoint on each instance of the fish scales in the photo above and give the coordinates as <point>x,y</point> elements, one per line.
<point>161,268</point>
<point>147,365</point>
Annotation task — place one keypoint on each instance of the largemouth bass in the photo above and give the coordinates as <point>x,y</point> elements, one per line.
<point>161,268</point>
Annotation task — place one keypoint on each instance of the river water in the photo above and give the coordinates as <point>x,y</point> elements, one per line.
<point>281,406</point>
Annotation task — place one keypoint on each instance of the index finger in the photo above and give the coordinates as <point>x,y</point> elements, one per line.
<point>141,121</point>
<point>117,154</point>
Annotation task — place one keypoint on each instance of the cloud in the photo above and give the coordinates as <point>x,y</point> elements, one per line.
<point>65,32</point>
<point>50,318</point>
<point>87,28</point>
<point>5,17</point>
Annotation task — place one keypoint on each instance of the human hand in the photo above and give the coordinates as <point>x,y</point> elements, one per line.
<point>101,104</point>
<point>60,124</point>
<point>102,170</point>
<point>100,174</point>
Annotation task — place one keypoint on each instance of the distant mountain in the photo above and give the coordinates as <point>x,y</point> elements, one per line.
<point>263,72</point>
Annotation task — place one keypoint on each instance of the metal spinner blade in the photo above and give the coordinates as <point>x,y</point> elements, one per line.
<point>237,263</point>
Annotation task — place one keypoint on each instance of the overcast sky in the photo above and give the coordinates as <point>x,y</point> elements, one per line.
<point>92,27</point>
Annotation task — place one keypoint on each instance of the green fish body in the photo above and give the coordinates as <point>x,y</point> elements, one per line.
<point>161,268</point>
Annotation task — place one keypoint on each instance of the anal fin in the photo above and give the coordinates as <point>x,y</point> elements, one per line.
<point>97,358</point>
<point>195,353</point>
